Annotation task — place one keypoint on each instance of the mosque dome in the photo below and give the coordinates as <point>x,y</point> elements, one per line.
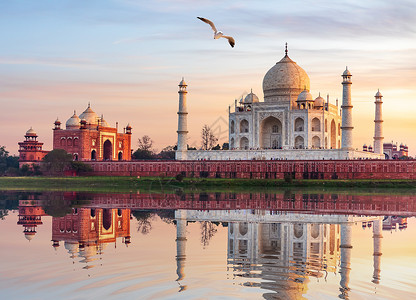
<point>29,235</point>
<point>71,247</point>
<point>104,123</point>
<point>319,101</point>
<point>31,132</point>
<point>304,96</point>
<point>251,98</point>
<point>73,122</point>
<point>284,78</point>
<point>89,115</point>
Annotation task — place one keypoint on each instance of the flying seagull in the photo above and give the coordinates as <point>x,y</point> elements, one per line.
<point>218,34</point>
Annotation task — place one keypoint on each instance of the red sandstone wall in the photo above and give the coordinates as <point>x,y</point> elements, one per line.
<point>320,169</point>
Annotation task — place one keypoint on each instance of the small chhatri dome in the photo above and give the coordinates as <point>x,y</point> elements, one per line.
<point>305,96</point>
<point>103,122</point>
<point>284,78</point>
<point>250,98</point>
<point>319,101</point>
<point>31,132</point>
<point>128,126</point>
<point>73,122</point>
<point>378,94</point>
<point>346,72</point>
<point>89,115</point>
<point>57,122</point>
<point>30,235</point>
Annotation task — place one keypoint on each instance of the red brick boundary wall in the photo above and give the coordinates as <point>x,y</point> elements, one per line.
<point>298,169</point>
<point>370,204</point>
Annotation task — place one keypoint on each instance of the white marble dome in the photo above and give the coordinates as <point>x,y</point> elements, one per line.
<point>305,96</point>
<point>251,98</point>
<point>319,101</point>
<point>90,116</point>
<point>283,78</point>
<point>73,122</point>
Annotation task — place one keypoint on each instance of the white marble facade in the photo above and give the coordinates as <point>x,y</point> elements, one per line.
<point>289,123</point>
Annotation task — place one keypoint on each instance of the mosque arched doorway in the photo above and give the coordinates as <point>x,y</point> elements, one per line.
<point>333,135</point>
<point>271,133</point>
<point>120,155</point>
<point>108,150</point>
<point>93,155</point>
<point>107,218</point>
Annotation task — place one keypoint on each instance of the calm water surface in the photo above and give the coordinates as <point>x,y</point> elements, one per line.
<point>207,246</point>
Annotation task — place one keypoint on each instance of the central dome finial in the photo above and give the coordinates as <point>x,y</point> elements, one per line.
<point>286,49</point>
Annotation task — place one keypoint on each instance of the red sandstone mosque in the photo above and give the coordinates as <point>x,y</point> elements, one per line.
<point>86,137</point>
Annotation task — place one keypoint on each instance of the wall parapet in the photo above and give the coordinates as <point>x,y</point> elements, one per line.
<point>260,169</point>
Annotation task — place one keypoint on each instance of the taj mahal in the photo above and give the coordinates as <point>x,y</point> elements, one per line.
<point>288,124</point>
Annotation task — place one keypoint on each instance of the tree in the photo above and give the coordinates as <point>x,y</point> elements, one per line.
<point>145,143</point>
<point>208,138</point>
<point>7,162</point>
<point>144,220</point>
<point>167,152</point>
<point>145,150</point>
<point>218,147</point>
<point>225,146</point>
<point>57,161</point>
<point>207,232</point>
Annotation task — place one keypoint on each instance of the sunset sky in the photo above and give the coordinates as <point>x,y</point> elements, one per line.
<point>127,57</point>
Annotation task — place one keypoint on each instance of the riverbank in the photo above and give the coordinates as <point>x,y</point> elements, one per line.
<point>168,184</point>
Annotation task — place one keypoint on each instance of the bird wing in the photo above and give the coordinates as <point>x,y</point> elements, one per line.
<point>230,40</point>
<point>208,22</point>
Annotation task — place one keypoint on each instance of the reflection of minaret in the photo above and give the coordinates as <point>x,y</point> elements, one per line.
<point>180,216</point>
<point>346,247</point>
<point>377,236</point>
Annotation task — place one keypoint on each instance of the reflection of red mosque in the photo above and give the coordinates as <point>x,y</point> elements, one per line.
<point>30,216</point>
<point>87,230</point>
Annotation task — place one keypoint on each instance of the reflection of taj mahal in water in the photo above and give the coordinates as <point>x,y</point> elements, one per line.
<point>276,251</point>
<point>281,252</point>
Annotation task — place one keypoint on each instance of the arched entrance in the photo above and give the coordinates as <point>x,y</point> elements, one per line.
<point>107,218</point>
<point>333,135</point>
<point>93,155</point>
<point>271,133</point>
<point>120,155</point>
<point>244,143</point>
<point>108,150</point>
<point>299,142</point>
<point>316,142</point>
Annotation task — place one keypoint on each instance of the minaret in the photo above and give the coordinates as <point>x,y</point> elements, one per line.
<point>180,216</point>
<point>377,236</point>
<point>346,142</point>
<point>378,126</point>
<point>346,248</point>
<point>182,150</point>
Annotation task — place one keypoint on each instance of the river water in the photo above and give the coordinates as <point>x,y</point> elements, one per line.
<point>288,245</point>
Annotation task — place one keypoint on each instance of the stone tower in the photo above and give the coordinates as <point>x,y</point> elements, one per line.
<point>378,126</point>
<point>182,150</point>
<point>377,236</point>
<point>346,142</point>
<point>345,264</point>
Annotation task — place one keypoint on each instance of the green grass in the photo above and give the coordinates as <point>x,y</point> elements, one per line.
<point>124,184</point>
